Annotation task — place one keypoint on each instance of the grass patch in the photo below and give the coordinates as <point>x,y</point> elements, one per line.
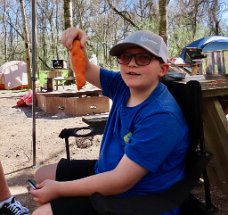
<point>43,74</point>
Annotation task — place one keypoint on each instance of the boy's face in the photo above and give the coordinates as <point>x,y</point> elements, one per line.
<point>143,70</point>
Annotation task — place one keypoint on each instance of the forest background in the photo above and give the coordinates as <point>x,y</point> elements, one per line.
<point>179,22</point>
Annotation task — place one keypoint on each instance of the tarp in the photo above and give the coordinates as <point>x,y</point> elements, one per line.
<point>13,75</point>
<point>207,44</point>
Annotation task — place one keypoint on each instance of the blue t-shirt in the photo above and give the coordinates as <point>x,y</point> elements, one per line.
<point>153,134</point>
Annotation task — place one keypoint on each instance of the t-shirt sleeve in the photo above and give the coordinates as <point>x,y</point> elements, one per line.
<point>153,140</point>
<point>110,82</point>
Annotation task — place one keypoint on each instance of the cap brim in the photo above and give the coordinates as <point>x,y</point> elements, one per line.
<point>119,48</point>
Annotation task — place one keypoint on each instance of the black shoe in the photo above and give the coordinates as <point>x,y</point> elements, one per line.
<point>13,208</point>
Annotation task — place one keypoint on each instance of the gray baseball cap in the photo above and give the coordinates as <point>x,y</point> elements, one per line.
<point>144,39</point>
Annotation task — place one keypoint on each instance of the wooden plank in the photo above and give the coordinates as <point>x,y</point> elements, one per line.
<point>215,92</point>
<point>54,105</point>
<point>73,105</point>
<point>216,141</point>
<point>96,120</point>
<point>72,94</point>
<point>86,105</point>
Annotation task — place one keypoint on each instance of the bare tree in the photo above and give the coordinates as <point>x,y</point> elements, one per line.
<point>213,18</point>
<point>4,29</point>
<point>26,41</point>
<point>106,22</point>
<point>163,19</point>
<point>124,14</point>
<point>67,8</point>
<point>57,23</point>
<point>187,20</point>
<point>43,34</point>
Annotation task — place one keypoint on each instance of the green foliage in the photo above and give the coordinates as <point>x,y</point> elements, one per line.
<point>42,77</point>
<point>43,74</point>
<point>150,24</point>
<point>182,36</point>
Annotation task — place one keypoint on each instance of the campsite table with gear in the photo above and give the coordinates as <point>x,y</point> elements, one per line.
<point>215,109</point>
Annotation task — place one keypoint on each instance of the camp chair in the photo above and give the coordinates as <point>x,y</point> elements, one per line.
<point>189,97</point>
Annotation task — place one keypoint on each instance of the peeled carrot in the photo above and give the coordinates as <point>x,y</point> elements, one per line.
<point>78,59</point>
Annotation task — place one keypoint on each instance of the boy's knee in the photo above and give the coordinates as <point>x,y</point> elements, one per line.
<point>38,175</point>
<point>44,209</point>
<point>45,172</point>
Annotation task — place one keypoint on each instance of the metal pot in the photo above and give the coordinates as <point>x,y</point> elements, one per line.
<point>216,63</point>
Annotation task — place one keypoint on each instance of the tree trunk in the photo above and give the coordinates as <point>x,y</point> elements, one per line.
<point>214,22</point>
<point>163,19</point>
<point>57,29</point>
<point>26,40</point>
<point>5,32</point>
<point>67,7</point>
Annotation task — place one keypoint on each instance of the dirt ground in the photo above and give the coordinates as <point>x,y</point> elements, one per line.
<point>16,146</point>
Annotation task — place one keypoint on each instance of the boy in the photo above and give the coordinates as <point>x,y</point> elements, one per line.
<point>8,205</point>
<point>145,140</point>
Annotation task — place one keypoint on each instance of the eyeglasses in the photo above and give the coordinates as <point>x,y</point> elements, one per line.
<point>140,59</point>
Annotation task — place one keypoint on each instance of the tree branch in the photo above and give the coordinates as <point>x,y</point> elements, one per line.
<point>122,15</point>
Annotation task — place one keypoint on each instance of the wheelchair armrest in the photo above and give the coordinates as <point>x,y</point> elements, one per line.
<point>81,132</point>
<point>87,131</point>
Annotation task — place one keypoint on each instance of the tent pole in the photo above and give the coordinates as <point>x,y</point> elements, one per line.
<point>34,69</point>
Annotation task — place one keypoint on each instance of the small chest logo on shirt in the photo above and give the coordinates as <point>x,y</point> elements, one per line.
<point>127,137</point>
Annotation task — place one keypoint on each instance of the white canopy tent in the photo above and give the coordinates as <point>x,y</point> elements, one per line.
<point>13,75</point>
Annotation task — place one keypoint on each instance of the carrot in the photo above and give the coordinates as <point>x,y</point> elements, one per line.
<point>78,59</point>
